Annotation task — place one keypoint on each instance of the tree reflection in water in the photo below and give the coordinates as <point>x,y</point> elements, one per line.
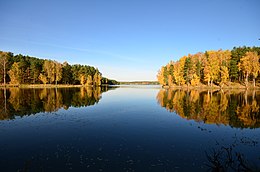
<point>20,102</point>
<point>238,108</point>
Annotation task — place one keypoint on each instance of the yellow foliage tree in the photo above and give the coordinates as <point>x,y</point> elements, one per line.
<point>255,69</point>
<point>178,73</point>
<point>82,79</point>
<point>49,70</point>
<point>249,64</point>
<point>224,74</point>
<point>160,76</point>
<point>207,77</point>
<point>97,79</point>
<point>195,80</point>
<point>15,74</point>
<point>170,80</point>
<point>89,80</point>
<point>211,67</point>
<point>43,78</point>
<point>58,71</point>
<point>224,57</point>
<point>4,56</point>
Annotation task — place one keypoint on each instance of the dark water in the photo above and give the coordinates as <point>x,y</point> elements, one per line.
<point>129,129</point>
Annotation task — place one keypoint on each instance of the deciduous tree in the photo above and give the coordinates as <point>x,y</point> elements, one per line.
<point>82,79</point>
<point>249,65</point>
<point>160,76</point>
<point>224,74</point>
<point>4,57</point>
<point>49,70</point>
<point>211,67</point>
<point>15,73</point>
<point>58,72</point>
<point>89,80</point>
<point>43,78</point>
<point>195,80</point>
<point>245,66</point>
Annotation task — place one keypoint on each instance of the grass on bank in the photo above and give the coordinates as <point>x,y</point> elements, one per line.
<point>229,85</point>
<point>40,86</point>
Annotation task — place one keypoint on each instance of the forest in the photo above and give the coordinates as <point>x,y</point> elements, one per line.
<point>220,68</point>
<point>19,69</point>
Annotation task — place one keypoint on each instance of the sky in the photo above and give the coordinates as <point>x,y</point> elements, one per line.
<point>126,40</point>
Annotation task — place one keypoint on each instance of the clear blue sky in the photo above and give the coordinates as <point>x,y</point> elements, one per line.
<point>126,40</point>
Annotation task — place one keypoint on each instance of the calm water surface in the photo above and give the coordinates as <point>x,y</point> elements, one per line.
<point>128,129</point>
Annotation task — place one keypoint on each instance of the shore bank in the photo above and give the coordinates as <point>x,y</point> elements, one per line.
<point>45,86</point>
<point>232,86</point>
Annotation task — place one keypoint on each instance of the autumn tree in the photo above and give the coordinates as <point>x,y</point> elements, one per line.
<point>160,76</point>
<point>224,63</point>
<point>245,66</point>
<point>53,71</point>
<point>170,77</point>
<point>255,62</point>
<point>49,70</point>
<point>178,72</point>
<point>97,79</point>
<point>89,80</point>
<point>58,72</point>
<point>224,75</point>
<point>170,80</point>
<point>4,57</point>
<point>82,79</point>
<point>211,67</point>
<point>43,78</point>
<point>224,57</point>
<point>15,73</point>
<point>195,80</point>
<point>165,75</point>
<point>249,65</point>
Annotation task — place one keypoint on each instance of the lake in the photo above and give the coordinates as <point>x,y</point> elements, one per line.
<point>129,128</point>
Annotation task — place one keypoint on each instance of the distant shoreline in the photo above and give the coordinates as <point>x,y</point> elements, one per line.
<point>139,83</point>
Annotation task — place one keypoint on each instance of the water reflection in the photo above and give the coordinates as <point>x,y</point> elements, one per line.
<point>20,102</point>
<point>127,131</point>
<point>238,108</point>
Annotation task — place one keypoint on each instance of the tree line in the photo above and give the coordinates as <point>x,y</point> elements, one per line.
<point>20,69</point>
<point>221,67</point>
